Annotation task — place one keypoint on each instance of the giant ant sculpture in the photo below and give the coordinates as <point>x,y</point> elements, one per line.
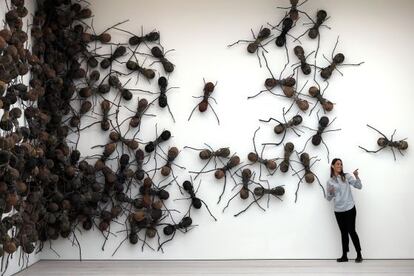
<point>308,175</point>
<point>385,142</point>
<point>293,123</point>
<point>323,123</point>
<point>255,44</point>
<point>337,60</point>
<point>244,192</point>
<point>204,104</point>
<point>210,154</point>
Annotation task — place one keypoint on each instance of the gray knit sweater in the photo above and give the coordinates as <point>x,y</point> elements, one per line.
<point>343,200</point>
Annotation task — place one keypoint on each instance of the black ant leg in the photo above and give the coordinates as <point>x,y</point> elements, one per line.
<point>210,97</point>
<point>191,114</point>
<point>318,45</point>
<point>323,142</point>
<point>205,204</point>
<point>119,245</point>
<point>392,136</point>
<point>244,210</point>
<point>304,147</point>
<point>218,120</point>
<point>238,41</point>
<point>169,110</point>
<point>286,15</point>
<point>267,65</point>
<point>297,189</point>
<point>336,44</point>
<point>203,168</point>
<point>256,200</point>
<point>146,243</point>
<point>377,131</point>
<point>224,188</point>
<point>258,57</point>
<point>270,119</point>
<point>228,202</point>
<point>295,129</point>
<point>319,182</point>
<point>260,92</point>
<point>393,153</point>
<point>287,62</point>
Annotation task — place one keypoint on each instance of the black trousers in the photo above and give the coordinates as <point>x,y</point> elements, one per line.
<point>346,223</point>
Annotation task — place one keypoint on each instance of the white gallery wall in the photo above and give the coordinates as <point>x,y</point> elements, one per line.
<point>378,93</point>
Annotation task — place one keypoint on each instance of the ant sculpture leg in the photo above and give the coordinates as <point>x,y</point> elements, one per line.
<point>205,166</point>
<point>168,106</point>
<point>251,203</point>
<point>301,178</point>
<point>218,120</point>
<point>271,73</point>
<point>202,201</point>
<point>268,195</point>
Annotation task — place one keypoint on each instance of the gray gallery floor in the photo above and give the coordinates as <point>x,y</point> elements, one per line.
<point>239,267</point>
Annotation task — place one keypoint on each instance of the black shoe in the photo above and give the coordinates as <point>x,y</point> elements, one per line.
<point>342,259</point>
<point>359,259</point>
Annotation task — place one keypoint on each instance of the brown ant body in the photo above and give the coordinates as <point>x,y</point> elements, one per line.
<point>287,25</point>
<point>114,81</point>
<point>283,127</point>
<point>90,89</point>
<point>165,135</point>
<point>254,157</point>
<point>293,13</point>
<point>142,107</point>
<point>254,45</point>
<point>244,191</point>
<point>204,104</point>
<point>261,191</point>
<point>196,202</point>
<point>304,66</point>
<point>313,32</point>
<point>264,34</point>
<point>119,52</point>
<point>323,123</point>
<point>337,60</point>
<point>159,54</point>
<point>286,84</point>
<point>210,154</point>
<point>288,150</point>
<point>172,154</point>
<point>315,92</point>
<point>136,40</point>
<point>220,173</point>
<point>135,67</point>
<point>171,229</point>
<point>308,175</point>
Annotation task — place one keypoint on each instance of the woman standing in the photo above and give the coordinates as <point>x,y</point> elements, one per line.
<point>339,189</point>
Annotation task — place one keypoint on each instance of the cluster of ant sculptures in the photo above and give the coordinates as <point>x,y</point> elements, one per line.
<point>79,80</point>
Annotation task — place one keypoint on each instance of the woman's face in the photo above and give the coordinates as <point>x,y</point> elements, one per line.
<point>337,167</point>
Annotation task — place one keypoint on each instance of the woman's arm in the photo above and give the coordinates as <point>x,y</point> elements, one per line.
<point>331,191</point>
<point>354,182</point>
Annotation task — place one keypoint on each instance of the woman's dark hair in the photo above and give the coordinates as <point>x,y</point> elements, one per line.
<point>342,174</point>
